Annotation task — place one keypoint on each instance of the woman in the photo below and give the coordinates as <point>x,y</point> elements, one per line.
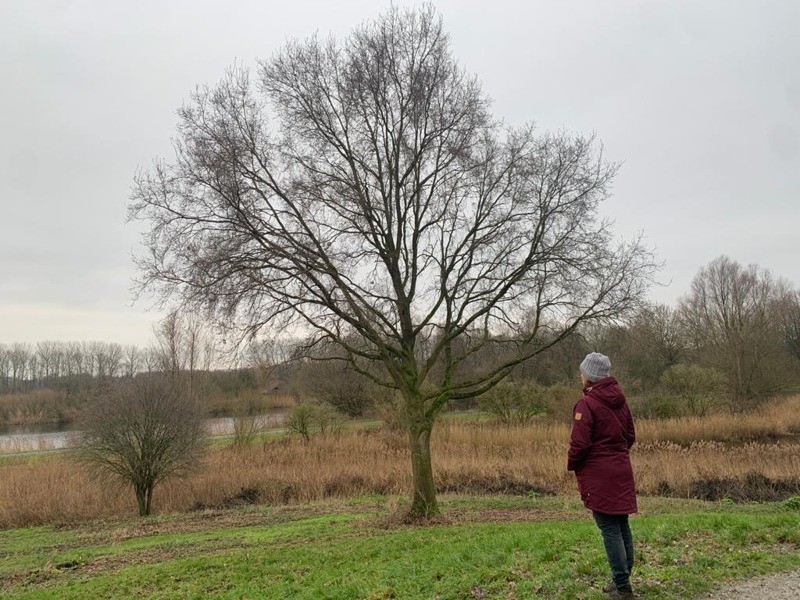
<point>602,434</point>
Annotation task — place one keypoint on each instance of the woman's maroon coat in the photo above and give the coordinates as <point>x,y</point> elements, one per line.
<point>602,434</point>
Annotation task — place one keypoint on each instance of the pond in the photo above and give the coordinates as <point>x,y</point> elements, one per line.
<point>43,437</point>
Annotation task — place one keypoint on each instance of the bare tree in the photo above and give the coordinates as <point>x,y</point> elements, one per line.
<point>132,360</point>
<point>151,359</point>
<point>362,193</point>
<point>19,359</point>
<point>77,360</point>
<point>731,314</point>
<point>115,354</point>
<point>267,356</point>
<point>645,346</point>
<point>141,432</point>
<point>70,365</point>
<point>334,382</point>
<point>47,353</point>
<point>5,369</point>
<point>789,308</point>
<point>185,351</point>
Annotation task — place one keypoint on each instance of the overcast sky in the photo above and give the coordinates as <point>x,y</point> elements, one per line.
<point>699,99</point>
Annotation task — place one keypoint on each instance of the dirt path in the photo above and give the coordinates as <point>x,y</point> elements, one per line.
<point>781,586</point>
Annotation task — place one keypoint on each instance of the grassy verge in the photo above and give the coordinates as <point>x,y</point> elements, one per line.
<point>485,547</point>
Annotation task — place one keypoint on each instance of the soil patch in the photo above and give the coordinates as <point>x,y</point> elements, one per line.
<point>503,484</point>
<point>754,487</point>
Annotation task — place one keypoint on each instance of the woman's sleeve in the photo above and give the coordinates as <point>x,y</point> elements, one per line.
<point>581,438</point>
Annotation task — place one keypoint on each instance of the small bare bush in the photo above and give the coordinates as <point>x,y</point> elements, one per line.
<point>248,423</point>
<point>561,397</point>
<point>142,432</point>
<point>515,403</point>
<point>656,406</point>
<point>247,429</point>
<point>390,410</point>
<point>308,418</point>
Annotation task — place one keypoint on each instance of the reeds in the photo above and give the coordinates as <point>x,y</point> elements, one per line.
<point>39,406</point>
<point>472,457</point>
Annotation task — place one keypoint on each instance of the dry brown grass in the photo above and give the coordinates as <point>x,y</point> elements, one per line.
<point>468,457</point>
<point>222,404</point>
<point>775,421</point>
<point>38,406</point>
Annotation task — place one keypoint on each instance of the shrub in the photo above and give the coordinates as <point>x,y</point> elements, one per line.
<point>515,403</point>
<point>142,432</point>
<point>39,406</point>
<point>562,396</point>
<point>656,406</point>
<point>390,411</point>
<point>308,418</point>
<point>698,389</point>
<point>248,422</point>
<point>337,384</point>
<point>246,429</point>
<point>792,503</point>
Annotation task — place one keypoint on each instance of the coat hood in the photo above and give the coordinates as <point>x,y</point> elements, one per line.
<point>607,391</point>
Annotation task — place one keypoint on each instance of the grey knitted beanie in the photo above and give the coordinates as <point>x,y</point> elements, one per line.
<point>596,366</point>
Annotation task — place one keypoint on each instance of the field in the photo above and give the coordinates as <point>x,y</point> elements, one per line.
<point>287,518</point>
<point>752,457</point>
<point>495,547</point>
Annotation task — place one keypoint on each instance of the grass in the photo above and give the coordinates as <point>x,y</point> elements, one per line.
<point>486,547</point>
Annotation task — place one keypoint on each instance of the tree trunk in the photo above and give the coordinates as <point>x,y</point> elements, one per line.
<point>423,499</point>
<point>140,500</point>
<point>144,499</point>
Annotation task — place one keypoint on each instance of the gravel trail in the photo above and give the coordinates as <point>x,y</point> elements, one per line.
<point>780,586</point>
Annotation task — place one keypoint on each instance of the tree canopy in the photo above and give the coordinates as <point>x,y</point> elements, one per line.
<point>363,192</point>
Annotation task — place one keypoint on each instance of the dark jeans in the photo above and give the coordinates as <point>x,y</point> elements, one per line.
<point>618,541</point>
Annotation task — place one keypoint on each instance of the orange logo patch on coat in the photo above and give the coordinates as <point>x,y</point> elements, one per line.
<point>578,416</point>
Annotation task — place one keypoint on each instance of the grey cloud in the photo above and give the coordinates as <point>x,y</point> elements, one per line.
<point>699,100</point>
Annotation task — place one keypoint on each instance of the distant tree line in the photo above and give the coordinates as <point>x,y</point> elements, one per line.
<point>737,329</point>
<point>731,342</point>
<point>182,344</point>
<point>55,364</point>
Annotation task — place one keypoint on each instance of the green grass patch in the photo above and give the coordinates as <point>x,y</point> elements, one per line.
<point>485,547</point>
